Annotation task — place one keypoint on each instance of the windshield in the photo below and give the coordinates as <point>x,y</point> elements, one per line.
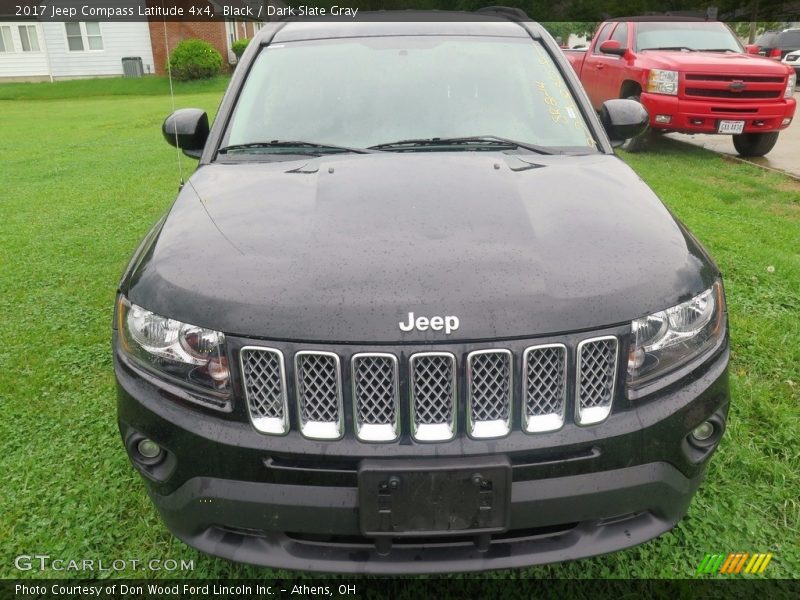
<point>686,35</point>
<point>767,39</point>
<point>362,92</point>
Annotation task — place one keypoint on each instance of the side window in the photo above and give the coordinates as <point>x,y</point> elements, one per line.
<point>621,34</point>
<point>604,34</point>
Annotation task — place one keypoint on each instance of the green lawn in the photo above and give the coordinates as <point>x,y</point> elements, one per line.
<point>83,179</point>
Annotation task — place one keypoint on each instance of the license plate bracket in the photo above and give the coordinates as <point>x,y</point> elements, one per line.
<point>434,497</point>
<point>732,127</point>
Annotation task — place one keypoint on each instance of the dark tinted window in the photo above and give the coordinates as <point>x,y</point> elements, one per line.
<point>789,40</point>
<point>766,39</point>
<point>604,33</point>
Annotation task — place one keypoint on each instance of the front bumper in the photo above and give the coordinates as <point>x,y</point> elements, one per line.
<point>293,503</point>
<point>703,116</point>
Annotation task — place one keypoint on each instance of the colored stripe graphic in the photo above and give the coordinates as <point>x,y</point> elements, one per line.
<point>765,563</point>
<point>740,564</point>
<point>726,565</point>
<point>734,563</point>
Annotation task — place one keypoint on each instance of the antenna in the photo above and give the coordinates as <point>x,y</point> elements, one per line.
<point>172,96</point>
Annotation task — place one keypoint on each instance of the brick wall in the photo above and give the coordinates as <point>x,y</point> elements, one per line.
<point>212,32</point>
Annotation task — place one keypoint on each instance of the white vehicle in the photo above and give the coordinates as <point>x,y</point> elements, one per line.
<point>793,60</point>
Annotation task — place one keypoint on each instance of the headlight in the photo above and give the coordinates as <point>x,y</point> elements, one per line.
<point>185,353</point>
<point>662,82</point>
<point>666,340</point>
<point>790,83</point>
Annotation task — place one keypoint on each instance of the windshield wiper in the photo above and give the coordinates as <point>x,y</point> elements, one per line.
<point>673,48</point>
<point>290,145</point>
<point>717,50</point>
<point>474,141</point>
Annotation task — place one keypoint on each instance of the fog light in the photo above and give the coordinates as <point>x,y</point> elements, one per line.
<point>786,121</point>
<point>148,448</point>
<point>696,121</point>
<point>663,118</point>
<point>703,431</point>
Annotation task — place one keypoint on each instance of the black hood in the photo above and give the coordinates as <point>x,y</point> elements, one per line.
<point>342,248</point>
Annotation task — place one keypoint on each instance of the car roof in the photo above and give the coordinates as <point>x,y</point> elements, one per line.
<point>658,19</point>
<point>399,23</point>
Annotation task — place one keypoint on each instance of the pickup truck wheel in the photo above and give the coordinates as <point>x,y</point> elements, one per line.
<point>755,144</point>
<point>638,143</point>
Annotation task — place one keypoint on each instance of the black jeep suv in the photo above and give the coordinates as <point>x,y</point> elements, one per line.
<point>411,313</point>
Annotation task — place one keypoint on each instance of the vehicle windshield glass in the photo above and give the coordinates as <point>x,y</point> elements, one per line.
<point>767,39</point>
<point>789,39</point>
<point>689,35</point>
<point>362,92</point>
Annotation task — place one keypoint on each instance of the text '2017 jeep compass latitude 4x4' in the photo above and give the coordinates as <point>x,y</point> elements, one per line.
<point>411,313</point>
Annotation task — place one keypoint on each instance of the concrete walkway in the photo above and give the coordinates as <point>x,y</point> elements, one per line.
<point>785,156</point>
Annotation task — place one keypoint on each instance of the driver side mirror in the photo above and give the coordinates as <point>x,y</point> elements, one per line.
<point>623,119</point>
<point>612,47</point>
<point>187,129</point>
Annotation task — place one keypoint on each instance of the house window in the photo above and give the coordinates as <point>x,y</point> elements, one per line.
<point>6,43</point>
<point>29,39</point>
<point>84,36</point>
<point>93,35</point>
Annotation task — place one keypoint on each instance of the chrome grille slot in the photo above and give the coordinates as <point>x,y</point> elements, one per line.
<point>319,395</point>
<point>375,396</point>
<point>264,383</point>
<point>489,385</point>
<point>544,375</point>
<point>433,396</point>
<point>596,379</point>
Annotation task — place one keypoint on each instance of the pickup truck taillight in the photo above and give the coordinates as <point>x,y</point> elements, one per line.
<point>775,53</point>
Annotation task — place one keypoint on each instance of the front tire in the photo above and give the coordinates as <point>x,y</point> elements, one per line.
<point>755,144</point>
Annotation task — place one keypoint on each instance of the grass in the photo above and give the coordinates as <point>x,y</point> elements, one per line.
<point>84,179</point>
<point>149,85</point>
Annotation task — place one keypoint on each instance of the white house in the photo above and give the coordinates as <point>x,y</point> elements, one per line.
<point>38,51</point>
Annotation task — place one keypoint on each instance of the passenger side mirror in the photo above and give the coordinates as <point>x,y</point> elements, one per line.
<point>751,48</point>
<point>612,47</point>
<point>187,129</point>
<point>623,119</point>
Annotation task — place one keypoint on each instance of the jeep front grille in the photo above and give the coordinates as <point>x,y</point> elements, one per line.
<point>596,376</point>
<point>489,387</point>
<point>544,377</point>
<point>319,394</point>
<point>378,386</point>
<point>375,396</point>
<point>265,388</point>
<point>433,396</point>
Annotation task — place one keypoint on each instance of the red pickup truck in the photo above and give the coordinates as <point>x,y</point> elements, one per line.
<point>692,76</point>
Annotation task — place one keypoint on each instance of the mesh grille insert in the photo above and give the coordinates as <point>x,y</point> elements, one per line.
<point>597,361</point>
<point>265,389</point>
<point>544,380</point>
<point>375,391</point>
<point>318,388</point>
<point>433,389</point>
<point>490,385</point>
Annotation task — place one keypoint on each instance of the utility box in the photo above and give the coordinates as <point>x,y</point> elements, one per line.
<point>132,66</point>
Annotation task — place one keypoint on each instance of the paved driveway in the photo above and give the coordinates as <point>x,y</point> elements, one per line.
<point>785,156</point>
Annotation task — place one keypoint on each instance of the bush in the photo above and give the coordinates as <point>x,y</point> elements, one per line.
<point>239,46</point>
<point>194,59</point>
